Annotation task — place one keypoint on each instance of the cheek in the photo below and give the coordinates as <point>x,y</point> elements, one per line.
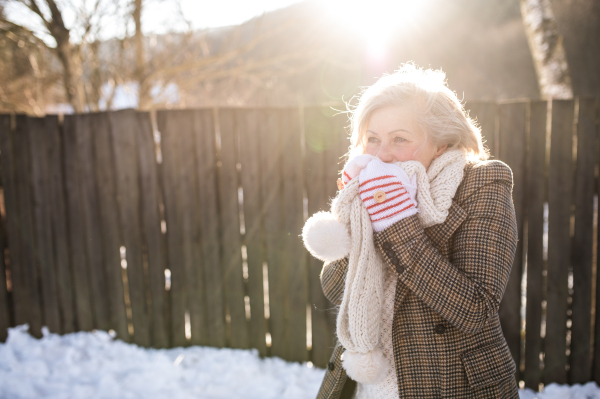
<point>371,149</point>
<point>403,154</point>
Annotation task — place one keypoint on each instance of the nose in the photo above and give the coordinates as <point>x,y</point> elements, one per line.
<point>385,154</point>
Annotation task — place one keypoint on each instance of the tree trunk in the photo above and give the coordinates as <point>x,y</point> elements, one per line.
<point>578,22</point>
<point>547,50</point>
<point>144,99</point>
<point>68,57</point>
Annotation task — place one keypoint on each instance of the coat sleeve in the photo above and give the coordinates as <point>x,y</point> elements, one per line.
<point>333,278</point>
<point>466,288</point>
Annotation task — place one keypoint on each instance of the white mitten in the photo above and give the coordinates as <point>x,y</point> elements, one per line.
<point>388,194</point>
<point>354,166</point>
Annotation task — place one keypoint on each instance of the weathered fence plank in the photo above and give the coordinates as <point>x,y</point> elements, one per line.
<point>110,233</point>
<point>596,359</point>
<point>513,131</point>
<point>124,132</point>
<point>581,356</point>
<point>7,181</point>
<point>18,287</point>
<point>151,230</point>
<point>206,154</point>
<point>30,270</point>
<point>58,220</point>
<point>251,150</point>
<point>274,220</point>
<point>536,195</point>
<point>4,300</point>
<point>486,114</point>
<point>559,240</point>
<point>75,216</point>
<point>230,231</point>
<point>190,232</point>
<point>43,255</point>
<point>168,125</point>
<point>317,127</point>
<point>297,285</point>
<point>91,221</point>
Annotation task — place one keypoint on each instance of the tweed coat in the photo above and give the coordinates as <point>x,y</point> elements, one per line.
<point>446,333</point>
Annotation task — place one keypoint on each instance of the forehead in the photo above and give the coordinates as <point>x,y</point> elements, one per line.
<point>386,120</point>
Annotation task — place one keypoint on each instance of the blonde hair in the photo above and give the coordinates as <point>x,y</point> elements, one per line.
<point>438,111</point>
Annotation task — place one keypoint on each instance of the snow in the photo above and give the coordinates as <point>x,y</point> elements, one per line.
<point>95,365</point>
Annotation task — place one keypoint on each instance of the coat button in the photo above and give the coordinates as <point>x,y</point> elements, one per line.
<point>395,261</point>
<point>400,269</point>
<point>331,366</point>
<point>391,254</point>
<point>386,246</point>
<point>440,329</point>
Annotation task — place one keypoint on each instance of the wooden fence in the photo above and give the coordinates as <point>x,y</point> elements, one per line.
<point>186,231</point>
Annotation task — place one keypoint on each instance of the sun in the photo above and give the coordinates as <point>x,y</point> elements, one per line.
<point>376,21</point>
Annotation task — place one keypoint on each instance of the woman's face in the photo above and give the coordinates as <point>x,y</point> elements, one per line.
<point>394,136</point>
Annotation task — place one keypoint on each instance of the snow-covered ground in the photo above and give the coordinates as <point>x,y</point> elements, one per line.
<point>94,365</point>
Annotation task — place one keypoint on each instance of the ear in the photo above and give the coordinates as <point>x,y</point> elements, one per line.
<point>440,150</point>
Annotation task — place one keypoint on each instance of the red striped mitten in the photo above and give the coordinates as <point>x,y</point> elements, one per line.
<point>388,194</point>
<point>353,167</point>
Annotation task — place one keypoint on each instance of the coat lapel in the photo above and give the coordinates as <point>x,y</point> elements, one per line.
<point>439,235</point>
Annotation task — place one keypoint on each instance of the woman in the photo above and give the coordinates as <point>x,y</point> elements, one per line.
<point>418,307</point>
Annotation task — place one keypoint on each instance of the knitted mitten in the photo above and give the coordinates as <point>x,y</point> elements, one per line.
<point>354,166</point>
<point>388,193</point>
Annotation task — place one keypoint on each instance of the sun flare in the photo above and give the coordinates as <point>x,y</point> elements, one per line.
<point>376,21</point>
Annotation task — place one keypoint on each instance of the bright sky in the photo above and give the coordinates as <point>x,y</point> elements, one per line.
<point>210,14</point>
<point>375,21</point>
<point>157,17</point>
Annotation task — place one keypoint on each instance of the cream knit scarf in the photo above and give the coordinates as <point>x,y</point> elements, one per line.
<point>359,317</point>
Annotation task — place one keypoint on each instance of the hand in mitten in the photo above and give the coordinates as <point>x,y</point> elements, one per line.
<point>388,193</point>
<point>354,166</point>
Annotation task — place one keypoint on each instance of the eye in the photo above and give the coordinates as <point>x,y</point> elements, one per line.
<point>373,139</point>
<point>399,139</point>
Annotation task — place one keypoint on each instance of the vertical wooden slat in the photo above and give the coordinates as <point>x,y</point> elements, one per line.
<point>190,231</point>
<point>513,129</point>
<point>206,154</point>
<point>294,219</point>
<point>30,271</point>
<point>559,240</point>
<point>272,195</point>
<point>152,231</point>
<point>7,156</point>
<point>81,281</point>
<point>123,126</point>
<point>4,300</point>
<point>250,153</point>
<point>535,191</point>
<point>317,127</point>
<point>580,370</point>
<point>230,233</point>
<point>109,231</point>
<point>168,125</point>
<point>596,358</point>
<point>5,134</point>
<point>43,255</point>
<point>58,220</point>
<point>91,221</point>
<point>486,114</point>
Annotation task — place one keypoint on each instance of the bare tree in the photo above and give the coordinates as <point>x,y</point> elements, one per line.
<point>578,21</point>
<point>546,45</point>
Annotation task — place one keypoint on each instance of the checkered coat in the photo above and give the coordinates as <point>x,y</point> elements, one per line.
<point>446,334</point>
